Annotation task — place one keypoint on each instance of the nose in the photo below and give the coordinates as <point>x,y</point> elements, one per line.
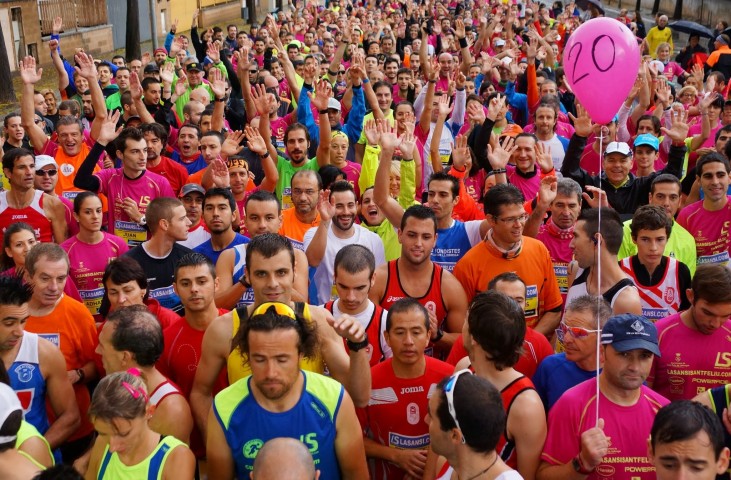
<point>115,445</point>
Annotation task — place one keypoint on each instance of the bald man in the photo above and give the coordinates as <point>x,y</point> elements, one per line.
<point>268,464</point>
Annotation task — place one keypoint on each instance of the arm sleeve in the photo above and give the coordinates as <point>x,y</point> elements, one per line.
<point>408,184</point>
<point>480,145</point>
<point>368,168</point>
<point>85,177</point>
<point>571,163</point>
<point>304,113</point>
<point>354,125</point>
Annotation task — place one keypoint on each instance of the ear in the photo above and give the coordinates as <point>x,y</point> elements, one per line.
<point>690,295</point>
<point>651,452</point>
<point>723,461</point>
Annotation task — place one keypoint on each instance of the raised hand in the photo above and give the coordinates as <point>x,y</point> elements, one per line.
<point>181,86</point>
<point>324,207</point>
<point>261,99</point>
<point>135,87</point>
<point>216,82</point>
<point>108,131</point>
<point>219,173</point>
<point>174,26</point>
<point>213,52</point>
<point>460,152</point>
<point>57,25</point>
<point>443,107</point>
<point>543,157</point>
<point>476,113</point>
<point>547,191</point>
<point>408,144</point>
<point>459,29</point>
<point>28,72</point>
<point>460,80</point>
<point>662,90</point>
<point>678,130</point>
<point>232,145</point>
<point>595,197</point>
<point>323,92</point>
<point>255,141</point>
<point>582,123</point>
<point>146,58</point>
<point>500,155</point>
<point>495,107</point>
<point>86,67</point>
<point>371,132</point>
<point>389,139</point>
<point>167,73</point>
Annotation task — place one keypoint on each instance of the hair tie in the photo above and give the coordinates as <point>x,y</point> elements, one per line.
<point>134,372</point>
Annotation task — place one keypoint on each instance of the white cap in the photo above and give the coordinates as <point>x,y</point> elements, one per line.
<point>9,403</point>
<point>334,104</point>
<point>44,160</point>
<point>499,42</point>
<point>618,147</point>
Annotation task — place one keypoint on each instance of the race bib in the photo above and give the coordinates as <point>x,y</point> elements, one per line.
<point>131,232</point>
<point>286,198</point>
<point>562,276</point>
<point>92,299</point>
<point>721,258</point>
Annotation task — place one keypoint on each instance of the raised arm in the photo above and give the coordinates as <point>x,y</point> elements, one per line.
<point>87,69</point>
<point>319,100</point>
<point>218,87</point>
<point>30,77</point>
<point>387,139</point>
<point>258,145</point>
<point>135,88</point>
<point>464,48</point>
<point>444,110</point>
<point>316,249</point>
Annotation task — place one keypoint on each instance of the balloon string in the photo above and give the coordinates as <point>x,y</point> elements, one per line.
<point>599,276</point>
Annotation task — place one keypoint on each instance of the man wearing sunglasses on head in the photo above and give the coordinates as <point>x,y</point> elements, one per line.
<point>466,419</point>
<point>270,271</point>
<point>581,446</point>
<point>577,363</point>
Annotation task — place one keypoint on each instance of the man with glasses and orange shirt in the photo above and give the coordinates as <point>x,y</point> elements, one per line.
<point>577,363</point>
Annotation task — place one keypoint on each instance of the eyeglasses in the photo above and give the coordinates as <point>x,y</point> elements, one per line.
<point>341,72</point>
<point>44,173</point>
<point>297,192</point>
<point>253,72</point>
<point>280,308</point>
<point>576,332</point>
<point>449,392</point>
<point>522,219</point>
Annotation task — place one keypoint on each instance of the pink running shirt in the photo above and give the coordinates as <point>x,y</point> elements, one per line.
<point>710,229</point>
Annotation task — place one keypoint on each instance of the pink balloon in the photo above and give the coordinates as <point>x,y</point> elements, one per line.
<point>601,61</point>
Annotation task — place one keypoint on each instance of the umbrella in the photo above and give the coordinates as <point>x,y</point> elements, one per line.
<point>691,28</point>
<point>584,5</point>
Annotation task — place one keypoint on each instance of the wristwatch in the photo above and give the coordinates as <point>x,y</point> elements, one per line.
<point>143,221</point>
<point>578,467</point>
<point>356,346</point>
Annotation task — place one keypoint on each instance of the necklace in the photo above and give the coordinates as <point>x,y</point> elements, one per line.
<point>485,470</point>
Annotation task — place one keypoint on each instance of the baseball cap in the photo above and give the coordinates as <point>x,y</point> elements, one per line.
<point>647,139</point>
<point>618,147</point>
<point>151,67</point>
<point>499,42</point>
<point>511,130</point>
<point>9,403</point>
<point>195,66</point>
<point>630,332</point>
<point>190,188</point>
<point>45,160</point>
<point>334,104</point>
<point>160,50</point>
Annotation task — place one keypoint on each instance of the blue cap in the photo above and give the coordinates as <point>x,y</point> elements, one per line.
<point>630,332</point>
<point>647,139</point>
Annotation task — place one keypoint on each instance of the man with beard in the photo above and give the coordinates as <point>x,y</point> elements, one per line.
<point>546,119</point>
<point>338,207</point>
<point>263,215</point>
<point>281,400</point>
<point>296,220</point>
<point>156,138</point>
<point>219,209</point>
<point>563,199</point>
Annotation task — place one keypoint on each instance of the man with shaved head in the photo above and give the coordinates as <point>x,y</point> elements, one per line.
<point>299,465</point>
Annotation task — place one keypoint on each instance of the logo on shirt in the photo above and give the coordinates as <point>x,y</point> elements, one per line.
<point>26,398</point>
<point>252,447</point>
<point>412,413</point>
<point>669,296</point>
<point>24,371</point>
<point>67,169</point>
<point>637,326</point>
<point>412,389</point>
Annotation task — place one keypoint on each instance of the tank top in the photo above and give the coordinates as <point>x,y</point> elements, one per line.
<point>26,432</point>
<point>506,446</point>
<point>432,299</point>
<point>578,288</point>
<point>720,400</point>
<point>28,382</point>
<point>247,298</point>
<point>236,363</point>
<point>162,391</point>
<point>151,468</point>
<point>445,473</point>
<point>33,215</point>
<point>659,300</point>
<point>247,425</point>
<point>373,330</point>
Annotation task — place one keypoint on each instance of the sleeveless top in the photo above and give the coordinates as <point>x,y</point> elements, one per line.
<point>28,382</point>
<point>506,446</point>
<point>28,431</point>
<point>721,400</point>
<point>164,390</point>
<point>247,425</point>
<point>239,265</point>
<point>236,363</point>
<point>33,215</point>
<point>151,468</point>
<point>659,300</point>
<point>375,353</point>
<point>432,300</point>
<point>578,288</point>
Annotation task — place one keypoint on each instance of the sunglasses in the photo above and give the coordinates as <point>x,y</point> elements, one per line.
<point>576,332</point>
<point>253,72</point>
<point>44,173</point>
<point>341,72</point>
<point>449,392</point>
<point>280,308</point>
